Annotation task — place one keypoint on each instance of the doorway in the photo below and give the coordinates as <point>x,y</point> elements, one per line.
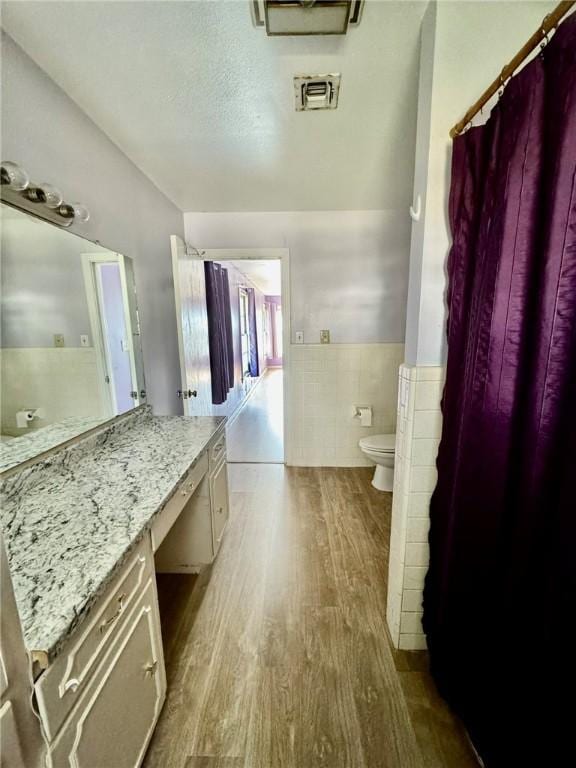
<point>113,322</point>
<point>255,432</point>
<point>256,402</point>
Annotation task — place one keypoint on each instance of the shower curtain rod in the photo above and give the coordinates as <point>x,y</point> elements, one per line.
<point>540,37</point>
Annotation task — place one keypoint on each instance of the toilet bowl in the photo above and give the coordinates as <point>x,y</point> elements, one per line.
<point>380,449</point>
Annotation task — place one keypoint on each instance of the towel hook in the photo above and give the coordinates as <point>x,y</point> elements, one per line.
<point>415,212</point>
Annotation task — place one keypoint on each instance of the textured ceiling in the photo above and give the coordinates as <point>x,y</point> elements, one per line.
<point>265,274</point>
<point>203,102</point>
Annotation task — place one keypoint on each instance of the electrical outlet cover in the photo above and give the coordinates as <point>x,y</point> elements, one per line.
<point>299,337</point>
<point>58,339</point>
<point>84,340</point>
<point>324,337</point>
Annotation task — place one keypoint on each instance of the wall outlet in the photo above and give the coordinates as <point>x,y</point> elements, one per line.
<point>324,337</point>
<point>59,340</point>
<point>299,337</point>
<point>84,340</point>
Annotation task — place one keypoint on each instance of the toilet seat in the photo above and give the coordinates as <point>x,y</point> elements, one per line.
<point>379,443</point>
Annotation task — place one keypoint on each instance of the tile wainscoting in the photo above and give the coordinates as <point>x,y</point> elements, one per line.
<point>63,381</point>
<point>326,382</point>
<point>419,425</point>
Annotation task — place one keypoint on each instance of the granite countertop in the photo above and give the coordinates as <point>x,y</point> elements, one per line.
<point>29,444</point>
<point>70,521</point>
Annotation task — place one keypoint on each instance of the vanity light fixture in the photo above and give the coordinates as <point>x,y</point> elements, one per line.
<point>15,176</point>
<point>42,200</point>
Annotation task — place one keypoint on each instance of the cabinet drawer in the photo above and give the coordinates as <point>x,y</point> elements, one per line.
<point>219,505</point>
<point>218,452</point>
<point>59,688</point>
<point>115,717</point>
<point>167,517</point>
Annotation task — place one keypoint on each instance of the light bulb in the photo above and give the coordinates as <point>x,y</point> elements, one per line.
<point>49,195</point>
<point>81,213</point>
<point>15,176</point>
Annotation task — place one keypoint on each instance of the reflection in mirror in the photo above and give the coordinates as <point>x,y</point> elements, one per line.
<point>70,340</point>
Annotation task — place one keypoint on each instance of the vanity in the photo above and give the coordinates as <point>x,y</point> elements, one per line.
<point>86,529</point>
<point>97,495</point>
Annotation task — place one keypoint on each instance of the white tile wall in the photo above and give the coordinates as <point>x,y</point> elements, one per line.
<point>326,382</point>
<point>417,439</point>
<point>60,380</point>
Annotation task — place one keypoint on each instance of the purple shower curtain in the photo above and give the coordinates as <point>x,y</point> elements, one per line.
<point>500,593</point>
<point>219,331</point>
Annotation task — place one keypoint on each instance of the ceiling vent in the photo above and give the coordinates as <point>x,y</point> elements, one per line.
<point>316,92</point>
<point>306,17</point>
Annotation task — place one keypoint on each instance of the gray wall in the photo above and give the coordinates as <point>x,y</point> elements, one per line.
<point>348,269</point>
<point>45,131</point>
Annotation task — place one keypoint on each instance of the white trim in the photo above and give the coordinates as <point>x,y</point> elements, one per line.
<point>136,385</point>
<point>91,278</point>
<point>104,334</point>
<point>262,254</point>
<point>88,260</point>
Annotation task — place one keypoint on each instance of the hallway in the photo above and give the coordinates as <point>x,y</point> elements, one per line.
<point>278,655</point>
<point>256,436</point>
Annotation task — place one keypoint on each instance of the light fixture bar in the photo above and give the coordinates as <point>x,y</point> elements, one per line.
<point>41,200</point>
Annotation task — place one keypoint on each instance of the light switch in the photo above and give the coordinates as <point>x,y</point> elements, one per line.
<point>84,340</point>
<point>299,337</point>
<point>59,340</point>
<point>324,337</point>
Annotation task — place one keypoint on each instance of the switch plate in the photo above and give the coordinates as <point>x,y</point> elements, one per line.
<point>84,340</point>
<point>324,337</point>
<point>59,340</point>
<point>299,337</point>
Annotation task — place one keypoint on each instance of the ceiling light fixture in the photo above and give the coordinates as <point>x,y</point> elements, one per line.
<point>42,200</point>
<point>306,17</point>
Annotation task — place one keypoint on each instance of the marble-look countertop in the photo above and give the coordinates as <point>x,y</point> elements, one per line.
<point>70,521</point>
<point>29,444</point>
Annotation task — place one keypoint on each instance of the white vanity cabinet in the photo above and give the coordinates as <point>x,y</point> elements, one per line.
<point>100,699</point>
<point>196,529</point>
<point>114,719</point>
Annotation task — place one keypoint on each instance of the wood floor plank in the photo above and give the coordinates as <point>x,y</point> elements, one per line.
<point>282,658</point>
<point>203,761</point>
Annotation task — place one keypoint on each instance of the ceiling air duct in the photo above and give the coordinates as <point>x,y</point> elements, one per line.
<point>306,17</point>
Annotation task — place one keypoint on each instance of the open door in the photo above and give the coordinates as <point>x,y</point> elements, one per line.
<point>110,289</point>
<point>192,323</point>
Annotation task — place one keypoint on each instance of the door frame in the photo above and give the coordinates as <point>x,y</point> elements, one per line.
<point>89,262</point>
<point>269,254</point>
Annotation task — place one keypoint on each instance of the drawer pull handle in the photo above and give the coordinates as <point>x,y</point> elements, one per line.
<point>150,669</point>
<point>72,685</point>
<point>105,624</point>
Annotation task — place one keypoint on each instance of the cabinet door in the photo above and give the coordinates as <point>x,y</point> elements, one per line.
<point>219,504</point>
<point>112,724</point>
<point>20,738</point>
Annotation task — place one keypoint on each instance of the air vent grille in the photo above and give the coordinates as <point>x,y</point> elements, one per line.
<point>316,92</point>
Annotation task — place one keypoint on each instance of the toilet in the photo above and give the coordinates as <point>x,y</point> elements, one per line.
<point>380,449</point>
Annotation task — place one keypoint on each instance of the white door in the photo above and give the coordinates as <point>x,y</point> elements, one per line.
<point>133,320</point>
<point>192,322</point>
<point>110,289</point>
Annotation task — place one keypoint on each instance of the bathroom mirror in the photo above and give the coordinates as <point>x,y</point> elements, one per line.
<point>70,353</point>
